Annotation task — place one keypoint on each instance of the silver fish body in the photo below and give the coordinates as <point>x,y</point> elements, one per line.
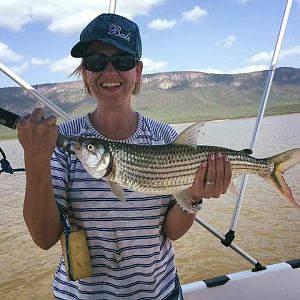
<point>171,168</point>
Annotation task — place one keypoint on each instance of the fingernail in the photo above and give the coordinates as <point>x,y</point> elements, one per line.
<point>212,156</point>
<point>219,155</point>
<point>204,164</point>
<point>226,158</point>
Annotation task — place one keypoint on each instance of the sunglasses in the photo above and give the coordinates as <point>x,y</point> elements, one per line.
<point>120,61</point>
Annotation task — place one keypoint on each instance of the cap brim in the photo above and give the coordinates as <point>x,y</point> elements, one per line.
<point>80,48</point>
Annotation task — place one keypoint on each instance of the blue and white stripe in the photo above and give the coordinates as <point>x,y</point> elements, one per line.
<point>131,256</point>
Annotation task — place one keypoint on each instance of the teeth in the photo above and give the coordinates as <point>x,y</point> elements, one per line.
<point>110,84</point>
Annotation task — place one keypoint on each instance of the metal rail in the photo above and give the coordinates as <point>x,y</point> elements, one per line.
<point>262,108</point>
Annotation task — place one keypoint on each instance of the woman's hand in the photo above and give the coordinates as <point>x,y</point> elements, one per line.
<point>213,177</point>
<point>37,135</point>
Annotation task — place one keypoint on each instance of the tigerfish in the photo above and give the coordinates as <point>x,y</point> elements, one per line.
<point>171,168</point>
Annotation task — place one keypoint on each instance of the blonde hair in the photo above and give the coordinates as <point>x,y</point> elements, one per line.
<point>81,71</point>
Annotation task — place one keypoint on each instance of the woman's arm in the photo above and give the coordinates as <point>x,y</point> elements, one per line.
<point>38,138</point>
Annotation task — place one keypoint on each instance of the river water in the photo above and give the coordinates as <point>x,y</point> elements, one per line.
<point>268,228</point>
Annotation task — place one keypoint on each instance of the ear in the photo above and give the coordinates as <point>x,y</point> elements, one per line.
<point>139,70</point>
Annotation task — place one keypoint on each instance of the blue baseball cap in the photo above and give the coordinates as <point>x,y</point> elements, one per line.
<point>110,29</point>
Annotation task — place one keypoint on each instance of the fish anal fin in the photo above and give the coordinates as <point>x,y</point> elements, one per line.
<point>278,181</point>
<point>117,190</point>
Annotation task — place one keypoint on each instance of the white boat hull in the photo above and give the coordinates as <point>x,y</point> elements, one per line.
<point>277,282</point>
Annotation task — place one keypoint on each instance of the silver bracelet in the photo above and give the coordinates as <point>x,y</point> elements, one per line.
<point>196,206</point>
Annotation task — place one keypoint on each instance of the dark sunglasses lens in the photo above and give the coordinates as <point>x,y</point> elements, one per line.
<point>123,63</point>
<point>98,62</point>
<point>95,63</point>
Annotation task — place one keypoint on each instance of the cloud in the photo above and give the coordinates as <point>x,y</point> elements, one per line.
<point>248,69</point>
<point>38,62</point>
<point>194,15</point>
<point>62,17</point>
<point>267,56</point>
<point>228,42</point>
<point>212,71</point>
<point>260,57</point>
<point>151,66</point>
<point>20,69</point>
<point>160,24</point>
<point>290,51</point>
<point>66,64</point>
<point>7,54</point>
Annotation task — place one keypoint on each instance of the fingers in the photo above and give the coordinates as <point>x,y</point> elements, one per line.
<point>211,173</point>
<point>213,177</point>
<point>37,116</point>
<point>227,174</point>
<point>37,133</point>
<point>199,182</point>
<point>219,175</point>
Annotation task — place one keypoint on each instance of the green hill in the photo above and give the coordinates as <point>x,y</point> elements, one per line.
<point>176,97</point>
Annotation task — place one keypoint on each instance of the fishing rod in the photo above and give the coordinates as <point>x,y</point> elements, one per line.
<point>230,234</point>
<point>31,90</point>
<point>112,6</point>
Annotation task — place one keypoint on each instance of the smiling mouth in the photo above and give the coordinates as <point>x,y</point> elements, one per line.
<point>110,84</point>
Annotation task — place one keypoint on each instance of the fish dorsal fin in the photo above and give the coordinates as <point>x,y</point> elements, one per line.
<point>189,136</point>
<point>247,151</point>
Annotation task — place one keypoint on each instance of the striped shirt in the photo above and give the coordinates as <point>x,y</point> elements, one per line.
<point>131,256</point>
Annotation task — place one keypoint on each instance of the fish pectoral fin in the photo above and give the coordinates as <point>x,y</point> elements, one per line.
<point>117,190</point>
<point>189,136</point>
<point>184,200</point>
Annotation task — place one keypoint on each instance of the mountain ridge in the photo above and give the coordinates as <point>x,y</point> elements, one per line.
<point>178,96</point>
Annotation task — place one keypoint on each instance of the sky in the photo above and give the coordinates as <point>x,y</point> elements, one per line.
<point>212,36</point>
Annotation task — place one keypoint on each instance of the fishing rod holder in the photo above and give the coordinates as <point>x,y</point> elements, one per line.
<point>229,237</point>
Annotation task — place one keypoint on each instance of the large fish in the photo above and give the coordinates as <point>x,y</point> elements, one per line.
<point>171,168</point>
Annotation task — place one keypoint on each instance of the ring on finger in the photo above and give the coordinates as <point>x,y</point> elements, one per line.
<point>210,183</point>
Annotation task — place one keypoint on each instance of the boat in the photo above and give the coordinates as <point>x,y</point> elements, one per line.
<point>279,281</point>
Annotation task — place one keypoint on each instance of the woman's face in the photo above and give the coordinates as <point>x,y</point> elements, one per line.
<point>110,87</point>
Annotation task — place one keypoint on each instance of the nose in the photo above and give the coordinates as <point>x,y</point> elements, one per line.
<point>110,68</point>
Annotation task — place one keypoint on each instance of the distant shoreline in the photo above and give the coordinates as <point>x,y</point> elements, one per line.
<point>174,124</point>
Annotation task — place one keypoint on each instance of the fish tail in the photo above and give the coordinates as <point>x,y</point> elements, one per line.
<point>283,162</point>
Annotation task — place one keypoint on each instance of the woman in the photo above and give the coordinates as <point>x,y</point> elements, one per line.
<point>129,242</point>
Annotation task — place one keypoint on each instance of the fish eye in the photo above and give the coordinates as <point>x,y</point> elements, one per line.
<point>90,147</point>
